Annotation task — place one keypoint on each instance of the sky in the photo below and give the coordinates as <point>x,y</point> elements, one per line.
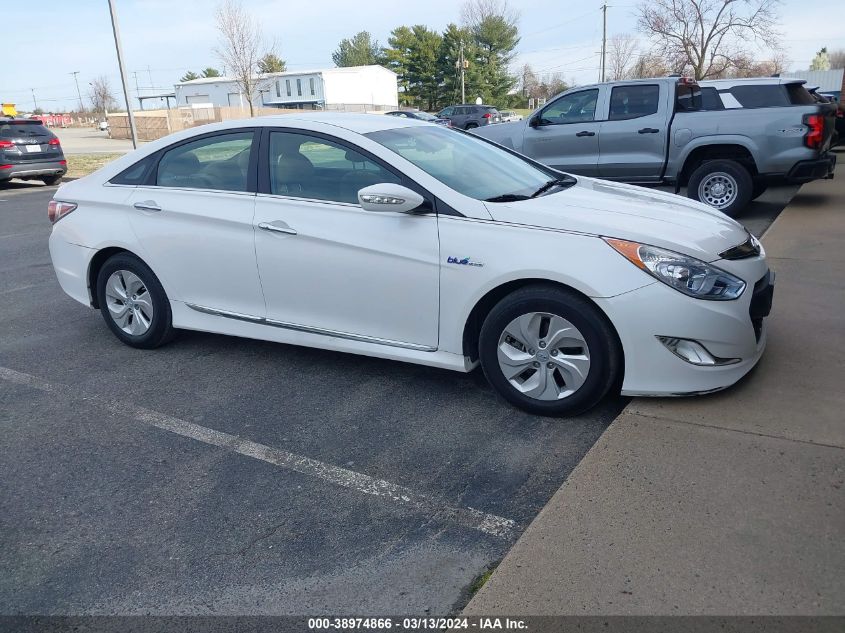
<point>163,39</point>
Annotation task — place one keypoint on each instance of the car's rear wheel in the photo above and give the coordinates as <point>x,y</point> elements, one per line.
<point>549,351</point>
<point>133,302</point>
<point>51,180</point>
<point>722,184</point>
<point>471,126</point>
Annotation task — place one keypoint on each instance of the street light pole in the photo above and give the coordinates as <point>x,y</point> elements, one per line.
<point>603,40</point>
<point>119,48</point>
<point>34,102</point>
<point>78,93</point>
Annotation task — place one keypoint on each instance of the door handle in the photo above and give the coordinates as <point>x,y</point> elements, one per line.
<point>585,133</point>
<point>147,205</point>
<point>277,227</point>
<point>648,130</point>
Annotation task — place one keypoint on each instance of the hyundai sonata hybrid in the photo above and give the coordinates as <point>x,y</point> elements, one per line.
<point>404,240</point>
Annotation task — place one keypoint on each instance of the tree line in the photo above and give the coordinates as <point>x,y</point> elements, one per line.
<point>428,63</point>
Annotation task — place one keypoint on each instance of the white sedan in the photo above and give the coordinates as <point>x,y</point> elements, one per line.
<point>404,240</point>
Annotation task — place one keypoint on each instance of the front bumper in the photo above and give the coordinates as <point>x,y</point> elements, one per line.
<point>807,170</point>
<point>34,170</point>
<point>727,329</point>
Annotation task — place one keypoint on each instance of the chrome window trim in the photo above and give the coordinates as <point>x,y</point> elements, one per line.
<point>310,330</point>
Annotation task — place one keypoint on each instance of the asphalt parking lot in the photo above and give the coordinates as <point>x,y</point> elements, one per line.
<point>227,476</point>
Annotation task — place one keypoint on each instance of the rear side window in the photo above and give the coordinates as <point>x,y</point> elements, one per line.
<point>710,99</point>
<point>799,95</point>
<point>16,130</point>
<point>765,96</point>
<point>216,162</point>
<point>632,102</point>
<point>136,174</point>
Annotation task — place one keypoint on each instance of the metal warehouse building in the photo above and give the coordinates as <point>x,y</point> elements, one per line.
<point>355,89</point>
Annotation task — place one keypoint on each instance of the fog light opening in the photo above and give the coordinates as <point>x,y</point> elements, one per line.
<point>694,352</point>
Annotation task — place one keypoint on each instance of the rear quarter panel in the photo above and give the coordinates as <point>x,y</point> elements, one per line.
<point>773,136</point>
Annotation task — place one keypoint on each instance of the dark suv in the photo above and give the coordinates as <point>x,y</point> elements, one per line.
<point>467,116</point>
<point>30,151</point>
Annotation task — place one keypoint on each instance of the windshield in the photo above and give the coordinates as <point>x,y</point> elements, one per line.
<point>464,162</point>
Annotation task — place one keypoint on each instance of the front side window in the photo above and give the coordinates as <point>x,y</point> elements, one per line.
<point>446,111</point>
<point>577,107</point>
<point>632,102</point>
<point>216,162</point>
<point>306,166</point>
<point>465,163</point>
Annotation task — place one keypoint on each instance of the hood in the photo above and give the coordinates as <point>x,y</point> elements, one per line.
<point>628,212</point>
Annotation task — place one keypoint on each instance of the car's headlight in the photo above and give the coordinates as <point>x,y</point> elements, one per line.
<point>685,274</point>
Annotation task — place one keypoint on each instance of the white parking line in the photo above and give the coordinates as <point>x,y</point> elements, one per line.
<point>434,508</point>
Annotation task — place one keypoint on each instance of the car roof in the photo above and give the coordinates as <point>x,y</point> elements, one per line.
<point>359,123</point>
<point>751,81</point>
<point>29,121</point>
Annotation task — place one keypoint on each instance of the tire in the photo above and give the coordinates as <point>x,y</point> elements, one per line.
<point>732,177</point>
<point>149,324</point>
<point>559,390</point>
<point>759,189</point>
<point>471,126</point>
<point>51,180</point>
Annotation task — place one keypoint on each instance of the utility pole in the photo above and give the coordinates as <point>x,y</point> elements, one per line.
<point>463,65</point>
<point>137,89</point>
<point>78,93</point>
<point>603,40</point>
<point>119,48</point>
<point>34,102</point>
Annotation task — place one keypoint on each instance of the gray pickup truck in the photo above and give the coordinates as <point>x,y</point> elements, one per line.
<point>657,131</point>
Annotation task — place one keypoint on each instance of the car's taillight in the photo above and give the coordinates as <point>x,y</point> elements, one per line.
<point>4,144</point>
<point>486,115</point>
<point>57,209</point>
<point>53,141</point>
<point>5,166</point>
<point>815,131</point>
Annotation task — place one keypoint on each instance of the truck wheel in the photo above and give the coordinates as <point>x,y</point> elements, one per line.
<point>722,184</point>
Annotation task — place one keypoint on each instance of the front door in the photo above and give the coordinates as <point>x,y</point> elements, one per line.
<point>328,266</point>
<point>566,135</point>
<point>195,223</point>
<point>633,139</point>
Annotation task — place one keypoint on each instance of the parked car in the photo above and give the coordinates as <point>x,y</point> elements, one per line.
<point>622,130</point>
<point>420,116</point>
<point>509,115</point>
<point>393,238</point>
<point>30,151</point>
<point>469,116</point>
<point>103,126</point>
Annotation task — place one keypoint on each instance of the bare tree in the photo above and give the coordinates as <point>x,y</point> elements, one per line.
<point>649,65</point>
<point>240,43</point>
<point>621,56</point>
<point>708,35</point>
<point>101,96</point>
<point>474,12</point>
<point>746,67</point>
<point>837,58</point>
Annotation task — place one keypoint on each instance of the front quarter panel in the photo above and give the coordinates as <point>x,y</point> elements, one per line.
<point>478,256</point>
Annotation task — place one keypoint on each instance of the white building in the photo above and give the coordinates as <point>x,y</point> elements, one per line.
<point>356,88</point>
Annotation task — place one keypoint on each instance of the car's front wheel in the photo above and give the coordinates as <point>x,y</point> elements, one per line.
<point>133,302</point>
<point>471,126</point>
<point>549,351</point>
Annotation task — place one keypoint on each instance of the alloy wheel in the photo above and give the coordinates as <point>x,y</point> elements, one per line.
<point>129,303</point>
<point>543,356</point>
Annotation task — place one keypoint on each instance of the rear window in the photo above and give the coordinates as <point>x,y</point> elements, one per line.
<point>710,99</point>
<point>799,95</point>
<point>765,96</point>
<point>489,109</point>
<point>17,129</point>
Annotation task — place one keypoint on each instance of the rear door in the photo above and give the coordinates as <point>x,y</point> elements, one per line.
<point>194,221</point>
<point>566,133</point>
<point>632,141</point>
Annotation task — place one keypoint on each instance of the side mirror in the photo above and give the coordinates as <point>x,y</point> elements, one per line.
<point>387,196</point>
<point>534,121</point>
